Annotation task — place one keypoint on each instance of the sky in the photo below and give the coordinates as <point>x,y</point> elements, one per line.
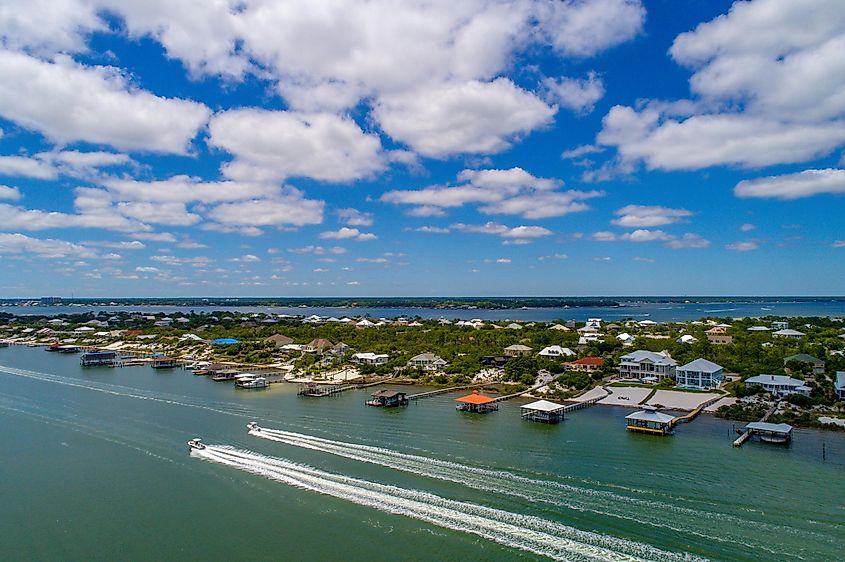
<point>421,148</point>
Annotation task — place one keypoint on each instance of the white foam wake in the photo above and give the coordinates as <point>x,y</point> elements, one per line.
<point>528,533</point>
<point>586,500</point>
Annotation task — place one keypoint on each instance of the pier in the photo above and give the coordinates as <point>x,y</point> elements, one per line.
<point>694,413</point>
<point>749,431</point>
<point>430,393</point>
<point>313,390</point>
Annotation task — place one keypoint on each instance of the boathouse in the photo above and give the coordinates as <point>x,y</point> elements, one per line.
<point>163,362</point>
<point>770,432</point>
<point>543,411</point>
<point>649,420</point>
<point>388,399</point>
<point>476,403</point>
<point>99,359</point>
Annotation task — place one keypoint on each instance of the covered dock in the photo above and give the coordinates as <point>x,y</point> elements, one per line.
<point>99,359</point>
<point>649,420</point>
<point>476,403</point>
<point>770,432</point>
<point>388,399</point>
<point>163,362</point>
<point>543,411</point>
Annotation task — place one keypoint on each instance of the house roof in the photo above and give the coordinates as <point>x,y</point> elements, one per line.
<point>387,394</point>
<point>556,350</point>
<point>650,415</point>
<point>643,355</point>
<point>543,406</point>
<point>775,427</point>
<point>475,398</point>
<point>840,380</point>
<point>788,332</point>
<point>279,339</point>
<point>701,366</point>
<point>320,343</point>
<point>804,358</point>
<point>781,380</point>
<point>594,361</point>
<point>517,347</point>
<point>426,357</point>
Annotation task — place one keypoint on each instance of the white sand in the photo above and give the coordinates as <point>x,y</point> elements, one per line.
<point>625,396</point>
<point>726,401</point>
<point>597,392</point>
<point>674,400</point>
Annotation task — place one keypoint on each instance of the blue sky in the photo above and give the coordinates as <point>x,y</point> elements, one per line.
<point>479,147</point>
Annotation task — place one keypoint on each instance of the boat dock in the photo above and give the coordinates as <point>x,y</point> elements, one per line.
<point>313,390</point>
<point>694,413</point>
<point>749,430</point>
<point>430,393</point>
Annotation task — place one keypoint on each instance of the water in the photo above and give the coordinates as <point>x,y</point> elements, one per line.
<point>95,466</point>
<point>659,312</point>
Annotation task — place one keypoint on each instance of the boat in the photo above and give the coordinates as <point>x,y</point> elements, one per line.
<point>251,381</point>
<point>252,426</point>
<point>196,443</point>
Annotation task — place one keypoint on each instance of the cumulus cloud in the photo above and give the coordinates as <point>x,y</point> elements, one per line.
<point>286,209</point>
<point>745,246</point>
<point>689,240</point>
<point>747,227</point>
<point>9,193</point>
<point>67,101</point>
<point>578,94</point>
<point>794,186</point>
<point>354,217</point>
<point>432,229</point>
<point>580,151</point>
<point>45,248</point>
<point>347,233</point>
<point>502,230</point>
<point>319,250</point>
<point>634,216</point>
<point>767,84</point>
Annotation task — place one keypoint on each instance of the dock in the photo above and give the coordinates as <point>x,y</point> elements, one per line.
<point>748,432</point>
<point>312,390</point>
<point>694,413</point>
<point>430,393</point>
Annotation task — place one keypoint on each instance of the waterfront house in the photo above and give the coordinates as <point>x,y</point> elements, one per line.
<point>594,323</point>
<point>649,420</point>
<point>517,350</point>
<point>779,385</point>
<point>700,374</point>
<point>588,364</point>
<point>839,385</point>
<point>428,361</point>
<point>543,411</point>
<point>556,352</point>
<point>647,366</point>
<point>789,333</point>
<point>770,432</point>
<point>279,340</point>
<point>476,403</point>
<point>370,358</point>
<point>816,363</point>
<point>388,399</point>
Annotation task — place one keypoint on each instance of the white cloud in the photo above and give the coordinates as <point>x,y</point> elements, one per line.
<point>10,193</point>
<point>503,260</point>
<point>794,186</point>
<point>46,248</point>
<point>644,260</point>
<point>129,245</point>
<point>432,229</point>
<point>371,260</point>
<point>586,28</point>
<point>290,208</point>
<point>26,167</point>
<point>746,246</point>
<point>47,26</point>
<point>273,145</point>
<point>838,244</point>
<point>689,240</point>
<point>634,216</point>
<point>747,227</point>
<point>354,217</point>
<point>246,258</point>
<point>767,78</point>
<point>346,233</point>
<point>579,95</point>
<point>319,250</point>
<point>553,257</point>
<point>425,211</point>
<point>19,218</point>
<point>67,102</point>
<point>580,151</point>
<point>502,230</point>
<point>459,118</point>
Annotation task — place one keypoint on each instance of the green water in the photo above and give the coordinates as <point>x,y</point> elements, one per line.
<point>95,467</point>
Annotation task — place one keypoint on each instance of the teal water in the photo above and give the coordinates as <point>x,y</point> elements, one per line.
<point>94,467</point>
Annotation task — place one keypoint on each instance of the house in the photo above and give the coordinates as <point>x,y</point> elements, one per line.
<point>647,366</point>
<point>513,326</point>
<point>700,374</point>
<point>340,348</point>
<point>625,338</point>
<point>588,364</point>
<point>559,328</point>
<point>556,351</point>
<point>759,329</point>
<point>318,345</point>
<point>476,403</point>
<point>839,385</point>
<point>490,361</point>
<point>292,347</point>
<point>594,323</point>
<point>779,385</point>
<point>780,325</point>
<point>818,364</point>
<point>428,361</point>
<point>370,358</point>
<point>687,339</point>
<point>518,350</point>
<point>279,340</point>
<point>789,333</point>
<point>719,339</point>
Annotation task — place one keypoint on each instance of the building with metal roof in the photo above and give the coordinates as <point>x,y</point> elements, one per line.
<point>779,385</point>
<point>700,374</point>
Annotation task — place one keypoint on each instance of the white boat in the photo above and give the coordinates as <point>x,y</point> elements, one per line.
<point>196,443</point>
<point>251,381</point>
<point>252,426</point>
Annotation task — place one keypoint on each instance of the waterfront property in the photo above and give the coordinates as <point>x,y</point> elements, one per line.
<point>543,411</point>
<point>649,420</point>
<point>428,361</point>
<point>388,399</point>
<point>700,374</point>
<point>839,384</point>
<point>163,362</point>
<point>99,359</point>
<point>816,363</point>
<point>770,432</point>
<point>476,403</point>
<point>370,358</point>
<point>779,385</point>
<point>646,366</point>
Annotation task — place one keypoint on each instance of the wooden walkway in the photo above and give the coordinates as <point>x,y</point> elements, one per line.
<point>747,434</point>
<point>430,393</point>
<point>314,391</point>
<point>694,414</point>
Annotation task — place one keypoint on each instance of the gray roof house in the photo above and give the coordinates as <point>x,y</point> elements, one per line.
<point>818,364</point>
<point>839,384</point>
<point>779,385</point>
<point>700,374</point>
<point>647,366</point>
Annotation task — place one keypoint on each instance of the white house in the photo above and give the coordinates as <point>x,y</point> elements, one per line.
<point>370,358</point>
<point>779,385</point>
<point>646,365</point>
<point>517,350</point>
<point>427,361</point>
<point>780,325</point>
<point>556,351</point>
<point>594,323</point>
<point>687,339</point>
<point>839,385</point>
<point>789,333</point>
<point>625,338</point>
<point>559,327</point>
<point>700,374</point>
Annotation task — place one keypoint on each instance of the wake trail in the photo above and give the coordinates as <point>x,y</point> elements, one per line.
<point>532,534</point>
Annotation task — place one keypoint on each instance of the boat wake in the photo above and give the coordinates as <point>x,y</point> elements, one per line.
<point>531,534</point>
<point>600,502</point>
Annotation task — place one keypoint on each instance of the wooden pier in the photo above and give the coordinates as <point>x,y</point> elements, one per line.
<point>694,414</point>
<point>747,434</point>
<point>312,390</point>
